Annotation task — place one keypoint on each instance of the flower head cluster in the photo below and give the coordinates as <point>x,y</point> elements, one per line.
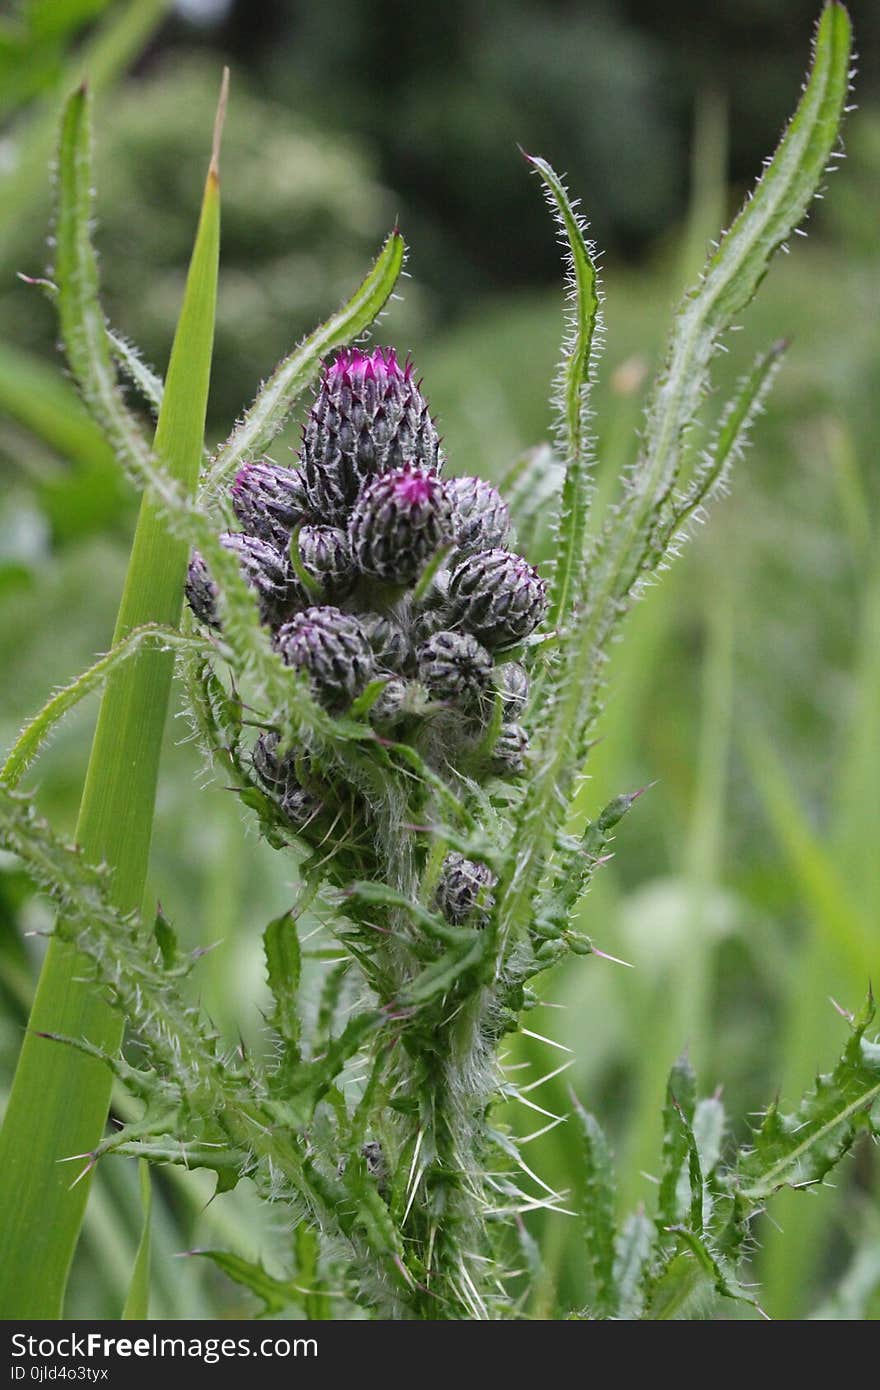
<point>368,566</point>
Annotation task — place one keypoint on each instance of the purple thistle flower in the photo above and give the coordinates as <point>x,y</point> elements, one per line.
<point>268,571</point>
<point>398,522</point>
<point>369,417</point>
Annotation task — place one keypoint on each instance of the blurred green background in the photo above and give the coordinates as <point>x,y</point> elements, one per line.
<point>746,887</point>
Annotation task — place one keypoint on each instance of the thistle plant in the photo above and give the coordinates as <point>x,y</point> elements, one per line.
<point>406,705</point>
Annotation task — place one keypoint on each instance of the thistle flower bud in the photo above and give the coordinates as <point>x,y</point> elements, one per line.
<point>269,501</point>
<point>369,417</point>
<point>388,641</point>
<point>497,596</point>
<point>326,556</point>
<point>201,591</point>
<point>392,704</point>
<point>398,522</point>
<point>374,1158</point>
<point>268,571</point>
<point>512,683</point>
<point>463,884</point>
<point>265,569</point>
<point>453,667</point>
<point>509,753</point>
<point>481,514</point>
<point>332,646</point>
<point>300,805</point>
<point>271,770</point>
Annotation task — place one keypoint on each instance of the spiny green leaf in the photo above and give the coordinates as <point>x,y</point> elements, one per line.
<point>577,862</point>
<point>709,1269</point>
<point>598,1214</point>
<point>276,1295</point>
<point>37,730</point>
<point>166,939</point>
<point>438,978</point>
<point>572,388</point>
<point>379,894</point>
<point>83,326</point>
<point>709,1126</point>
<point>732,276</point>
<point>797,1150</point>
<point>678,1112</point>
<point>729,282</point>
<point>149,383</point>
<point>634,1246</point>
<point>728,445</point>
<point>310,1081</point>
<point>283,968</point>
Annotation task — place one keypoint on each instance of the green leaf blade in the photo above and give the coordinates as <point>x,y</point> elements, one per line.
<point>137,1302</point>
<point>798,1150</point>
<point>283,969</point>
<point>598,1215</point>
<point>42,1215</point>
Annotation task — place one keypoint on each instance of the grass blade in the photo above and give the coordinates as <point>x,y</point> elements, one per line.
<point>137,1302</point>
<point>59,1099</point>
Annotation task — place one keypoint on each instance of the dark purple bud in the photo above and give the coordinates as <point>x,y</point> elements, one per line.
<point>512,683</point>
<point>326,556</point>
<point>388,641</point>
<point>453,667</point>
<point>201,592</point>
<point>369,417</point>
<point>398,522</point>
<point>269,501</point>
<point>481,514</point>
<point>497,596</point>
<point>509,753</point>
<point>332,646</point>
<point>265,569</point>
<point>464,890</point>
<point>268,571</point>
